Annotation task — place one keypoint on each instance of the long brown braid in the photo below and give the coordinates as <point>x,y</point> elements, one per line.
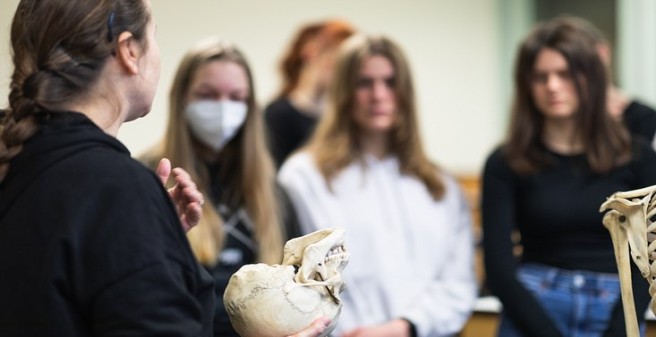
<point>59,48</point>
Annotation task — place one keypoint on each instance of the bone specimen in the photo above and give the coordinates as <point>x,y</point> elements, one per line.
<point>629,221</point>
<point>279,300</point>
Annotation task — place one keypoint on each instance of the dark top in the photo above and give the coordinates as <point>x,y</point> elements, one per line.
<point>288,127</point>
<point>239,247</point>
<point>640,120</point>
<point>557,214</point>
<point>90,243</point>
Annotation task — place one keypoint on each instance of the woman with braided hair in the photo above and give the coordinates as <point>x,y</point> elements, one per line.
<point>91,244</point>
<point>90,241</point>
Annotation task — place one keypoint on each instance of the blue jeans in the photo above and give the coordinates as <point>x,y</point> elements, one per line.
<point>580,303</point>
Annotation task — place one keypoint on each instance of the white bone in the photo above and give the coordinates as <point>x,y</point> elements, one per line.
<point>629,222</point>
<point>280,300</point>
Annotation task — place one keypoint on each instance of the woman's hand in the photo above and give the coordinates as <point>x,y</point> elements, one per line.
<point>315,329</point>
<point>187,199</point>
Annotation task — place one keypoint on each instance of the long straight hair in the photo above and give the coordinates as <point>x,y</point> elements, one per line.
<point>606,142</point>
<point>334,144</point>
<point>251,171</point>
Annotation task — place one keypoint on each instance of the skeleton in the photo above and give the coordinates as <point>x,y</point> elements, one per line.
<point>279,300</point>
<point>628,219</point>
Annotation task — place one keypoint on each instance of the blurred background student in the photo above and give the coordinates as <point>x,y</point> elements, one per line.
<point>306,68</point>
<point>564,154</point>
<point>216,132</point>
<point>408,226</point>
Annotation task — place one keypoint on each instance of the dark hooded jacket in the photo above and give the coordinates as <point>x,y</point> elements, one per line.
<point>91,244</point>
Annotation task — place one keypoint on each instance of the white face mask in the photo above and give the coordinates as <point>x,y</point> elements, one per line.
<point>215,122</point>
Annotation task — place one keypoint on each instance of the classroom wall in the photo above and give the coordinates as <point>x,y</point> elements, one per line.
<point>454,48</point>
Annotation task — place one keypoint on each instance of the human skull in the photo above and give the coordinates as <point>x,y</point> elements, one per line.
<point>279,300</point>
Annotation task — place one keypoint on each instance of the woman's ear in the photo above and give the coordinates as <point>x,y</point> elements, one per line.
<point>128,52</point>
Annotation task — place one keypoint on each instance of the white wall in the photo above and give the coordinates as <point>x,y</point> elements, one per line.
<point>453,47</point>
<point>637,48</point>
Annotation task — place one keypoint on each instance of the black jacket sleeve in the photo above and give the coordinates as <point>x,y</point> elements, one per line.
<point>640,119</point>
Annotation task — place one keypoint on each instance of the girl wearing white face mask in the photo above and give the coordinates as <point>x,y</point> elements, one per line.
<point>216,132</point>
<point>215,123</point>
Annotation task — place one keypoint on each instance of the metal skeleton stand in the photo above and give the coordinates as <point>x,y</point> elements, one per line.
<point>628,219</point>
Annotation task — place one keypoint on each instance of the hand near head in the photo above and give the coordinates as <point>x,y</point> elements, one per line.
<point>187,199</point>
<point>315,329</point>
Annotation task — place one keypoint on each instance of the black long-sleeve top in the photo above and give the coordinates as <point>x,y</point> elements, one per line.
<point>556,212</point>
<point>91,244</point>
<point>288,128</point>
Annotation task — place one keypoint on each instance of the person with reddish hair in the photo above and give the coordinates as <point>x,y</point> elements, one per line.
<point>306,70</point>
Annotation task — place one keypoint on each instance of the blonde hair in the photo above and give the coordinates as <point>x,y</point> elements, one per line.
<point>253,171</point>
<point>334,144</point>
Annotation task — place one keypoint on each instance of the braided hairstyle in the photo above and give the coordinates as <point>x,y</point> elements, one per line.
<point>59,48</point>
